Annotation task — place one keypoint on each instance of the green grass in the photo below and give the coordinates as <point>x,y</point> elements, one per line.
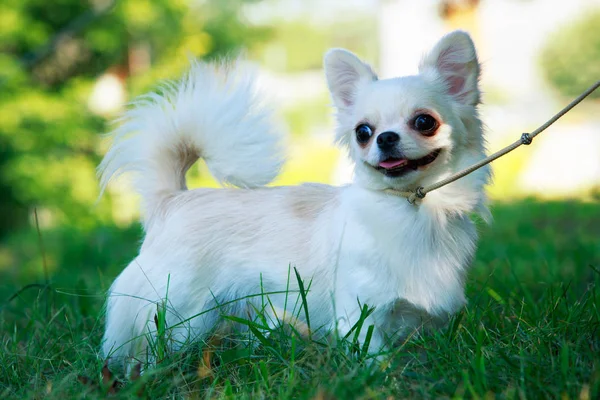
<point>531,328</point>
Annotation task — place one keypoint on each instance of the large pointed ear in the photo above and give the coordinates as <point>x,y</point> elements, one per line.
<point>345,73</point>
<point>453,61</point>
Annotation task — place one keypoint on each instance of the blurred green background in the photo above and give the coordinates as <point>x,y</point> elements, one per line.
<point>67,68</point>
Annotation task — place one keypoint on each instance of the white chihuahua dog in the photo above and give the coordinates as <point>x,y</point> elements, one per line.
<point>212,251</point>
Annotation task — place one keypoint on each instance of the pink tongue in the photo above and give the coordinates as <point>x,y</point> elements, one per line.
<point>388,164</point>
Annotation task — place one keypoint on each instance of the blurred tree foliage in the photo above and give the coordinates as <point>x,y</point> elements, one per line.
<point>571,58</point>
<point>300,44</point>
<point>51,55</point>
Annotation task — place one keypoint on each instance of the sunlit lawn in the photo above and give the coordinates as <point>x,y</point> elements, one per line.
<point>531,329</point>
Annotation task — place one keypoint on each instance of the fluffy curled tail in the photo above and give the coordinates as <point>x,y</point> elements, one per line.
<point>212,113</point>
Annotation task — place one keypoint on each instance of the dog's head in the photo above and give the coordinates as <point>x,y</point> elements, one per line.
<point>405,132</point>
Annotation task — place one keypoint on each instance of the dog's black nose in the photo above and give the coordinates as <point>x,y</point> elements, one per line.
<point>387,140</point>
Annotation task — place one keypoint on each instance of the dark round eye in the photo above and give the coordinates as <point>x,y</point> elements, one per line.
<point>425,124</point>
<point>363,133</point>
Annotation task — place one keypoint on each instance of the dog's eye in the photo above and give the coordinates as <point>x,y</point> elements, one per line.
<point>363,133</point>
<point>425,124</point>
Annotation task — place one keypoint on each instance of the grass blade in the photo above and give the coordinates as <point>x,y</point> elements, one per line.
<point>304,302</point>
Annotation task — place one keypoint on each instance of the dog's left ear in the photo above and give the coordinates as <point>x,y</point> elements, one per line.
<point>345,73</point>
<point>453,62</point>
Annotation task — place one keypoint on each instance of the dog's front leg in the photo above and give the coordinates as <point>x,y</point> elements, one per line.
<point>358,322</point>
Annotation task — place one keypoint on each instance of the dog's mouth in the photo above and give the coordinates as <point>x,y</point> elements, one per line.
<point>395,167</point>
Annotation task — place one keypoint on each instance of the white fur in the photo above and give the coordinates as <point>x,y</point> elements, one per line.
<point>213,113</point>
<point>355,244</point>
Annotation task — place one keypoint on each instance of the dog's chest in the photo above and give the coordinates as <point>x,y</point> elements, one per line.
<point>409,257</point>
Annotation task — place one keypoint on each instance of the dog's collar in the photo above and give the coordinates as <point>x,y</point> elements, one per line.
<point>397,192</point>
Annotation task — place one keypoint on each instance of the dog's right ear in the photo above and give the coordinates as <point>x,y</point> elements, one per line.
<point>345,73</point>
